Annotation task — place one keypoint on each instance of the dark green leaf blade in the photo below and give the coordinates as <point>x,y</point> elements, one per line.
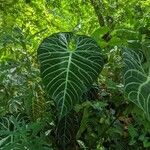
<point>69,64</point>
<point>137,80</point>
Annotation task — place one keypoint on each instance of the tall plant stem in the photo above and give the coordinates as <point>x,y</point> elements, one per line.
<point>97,7</point>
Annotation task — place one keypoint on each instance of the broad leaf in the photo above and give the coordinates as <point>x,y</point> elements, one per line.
<point>137,80</point>
<point>67,129</point>
<point>69,64</point>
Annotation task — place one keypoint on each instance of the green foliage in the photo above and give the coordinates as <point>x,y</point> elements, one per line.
<point>106,118</point>
<point>17,133</point>
<point>137,80</point>
<point>68,73</point>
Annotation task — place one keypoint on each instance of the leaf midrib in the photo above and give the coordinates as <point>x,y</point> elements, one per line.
<point>66,83</point>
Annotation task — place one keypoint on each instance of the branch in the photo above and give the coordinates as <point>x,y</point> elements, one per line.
<point>97,8</point>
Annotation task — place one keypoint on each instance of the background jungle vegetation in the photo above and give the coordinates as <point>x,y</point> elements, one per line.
<point>108,117</point>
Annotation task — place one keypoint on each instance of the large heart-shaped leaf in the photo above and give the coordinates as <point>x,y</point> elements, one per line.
<point>137,80</point>
<point>69,64</point>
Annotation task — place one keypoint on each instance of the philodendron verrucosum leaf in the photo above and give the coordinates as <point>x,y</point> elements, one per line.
<point>137,80</point>
<point>69,65</point>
